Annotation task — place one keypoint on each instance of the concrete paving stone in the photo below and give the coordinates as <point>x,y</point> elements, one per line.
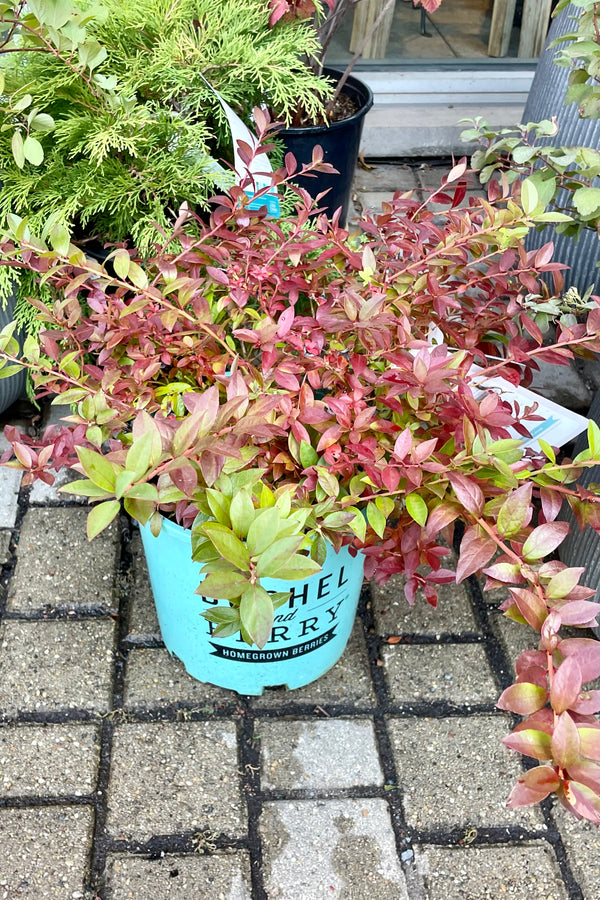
<point>167,778</point>
<point>393,614</point>
<point>458,673</point>
<point>49,493</point>
<point>44,852</point>
<point>58,567</point>
<point>371,201</point>
<point>582,843</point>
<point>454,771</point>
<point>53,665</point>
<point>52,761</point>
<point>154,677</point>
<point>524,872</point>
<point>5,537</point>
<point>349,681</point>
<point>143,623</point>
<point>222,877</point>
<point>10,484</point>
<point>330,848</point>
<point>319,755</point>
<point>382,177</point>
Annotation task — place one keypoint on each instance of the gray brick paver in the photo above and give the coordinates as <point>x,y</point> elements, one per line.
<point>454,771</point>
<point>222,877</point>
<point>458,673</point>
<point>330,848</point>
<point>526,872</point>
<point>45,852</point>
<point>58,567</point>
<point>394,615</point>
<point>54,760</point>
<point>55,665</point>
<point>318,755</point>
<point>582,842</point>
<point>154,677</point>
<point>168,778</point>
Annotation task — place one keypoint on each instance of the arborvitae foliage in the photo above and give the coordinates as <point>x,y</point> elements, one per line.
<point>108,122</point>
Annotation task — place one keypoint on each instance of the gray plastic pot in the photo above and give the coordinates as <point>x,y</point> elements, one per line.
<point>13,387</point>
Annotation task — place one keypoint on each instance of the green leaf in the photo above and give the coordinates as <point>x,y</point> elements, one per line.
<point>263,531</point>
<point>101,516</point>
<point>229,546</point>
<point>84,488</point>
<point>121,262</point>
<point>138,455</point>
<point>18,151</point>
<point>515,512</point>
<point>22,103</point>
<point>43,122</point>
<point>224,585</point>
<point>242,513</point>
<point>376,519</point>
<point>298,568</point>
<point>97,468</point>
<point>272,560</point>
<point>529,196</point>
<point>256,614</point>
<point>593,435</point>
<point>142,492</point>
<point>417,508</point>
<point>308,454</point>
<point>586,201</point>
<point>33,151</point>
<point>60,240</point>
<point>137,275</point>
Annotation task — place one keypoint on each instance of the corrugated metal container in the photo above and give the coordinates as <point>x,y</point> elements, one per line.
<point>13,387</point>
<point>582,548</point>
<point>545,100</point>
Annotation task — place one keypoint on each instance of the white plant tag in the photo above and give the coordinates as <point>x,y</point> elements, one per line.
<point>558,426</point>
<point>260,163</point>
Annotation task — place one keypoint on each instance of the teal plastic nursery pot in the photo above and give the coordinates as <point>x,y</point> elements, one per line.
<point>309,635</point>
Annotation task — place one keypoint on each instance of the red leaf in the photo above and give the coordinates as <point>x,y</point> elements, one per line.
<point>581,801</point>
<point>530,742</point>
<point>588,703</point>
<point>440,517</point>
<point>551,503</point>
<point>579,612</point>
<point>534,786</point>
<point>566,685</point>
<point>566,743</point>
<point>475,553</point>
<point>544,539</point>
<point>531,606</point>
<point>403,444</point>
<point>523,698</point>
<point>587,653</point>
<point>468,493</point>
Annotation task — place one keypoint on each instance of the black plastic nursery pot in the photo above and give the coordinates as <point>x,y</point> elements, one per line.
<point>13,387</point>
<point>340,142</point>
